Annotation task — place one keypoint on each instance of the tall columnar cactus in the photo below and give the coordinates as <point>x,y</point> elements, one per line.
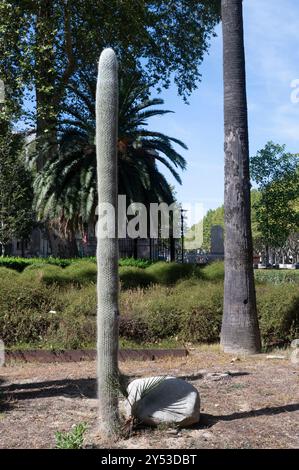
<point>107,248</point>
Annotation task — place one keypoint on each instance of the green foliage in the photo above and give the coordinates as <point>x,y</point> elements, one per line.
<point>19,264</point>
<point>276,173</point>
<point>72,439</point>
<point>75,325</point>
<point>8,273</point>
<point>278,276</point>
<point>25,309</point>
<point>63,316</point>
<point>67,183</point>
<point>136,263</point>
<point>171,312</point>
<point>213,271</point>
<point>131,277</point>
<point>16,191</point>
<point>278,307</point>
<point>44,48</point>
<point>78,273</point>
<point>169,273</point>
<point>45,274</point>
<point>212,217</point>
<point>132,273</point>
<point>81,272</point>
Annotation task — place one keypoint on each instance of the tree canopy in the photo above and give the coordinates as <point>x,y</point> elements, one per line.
<point>16,192</point>
<point>67,184</point>
<point>46,43</point>
<point>276,173</point>
<point>274,200</point>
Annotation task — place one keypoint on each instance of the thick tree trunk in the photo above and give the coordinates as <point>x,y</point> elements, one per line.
<point>45,83</point>
<point>240,330</point>
<point>107,248</point>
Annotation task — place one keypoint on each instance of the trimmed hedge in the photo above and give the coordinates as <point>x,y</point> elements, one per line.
<point>213,271</point>
<point>131,278</point>
<point>19,264</point>
<point>278,307</point>
<point>44,307</point>
<point>136,263</point>
<point>170,273</point>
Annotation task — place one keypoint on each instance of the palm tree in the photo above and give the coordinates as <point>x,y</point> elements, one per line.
<point>66,187</point>
<point>240,330</point>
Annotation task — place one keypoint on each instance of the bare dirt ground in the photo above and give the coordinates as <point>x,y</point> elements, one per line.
<point>255,406</point>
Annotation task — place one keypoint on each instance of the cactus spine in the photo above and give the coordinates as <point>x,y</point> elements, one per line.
<point>107,248</point>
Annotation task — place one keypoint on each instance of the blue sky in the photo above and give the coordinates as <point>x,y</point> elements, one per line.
<point>272,63</point>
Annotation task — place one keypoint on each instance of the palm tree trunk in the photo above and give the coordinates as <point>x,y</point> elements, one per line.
<point>107,248</point>
<point>240,330</point>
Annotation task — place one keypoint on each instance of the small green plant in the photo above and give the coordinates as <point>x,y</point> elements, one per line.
<point>72,439</point>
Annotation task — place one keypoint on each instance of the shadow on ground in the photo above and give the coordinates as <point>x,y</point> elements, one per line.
<point>86,388</point>
<point>5,404</point>
<point>207,420</point>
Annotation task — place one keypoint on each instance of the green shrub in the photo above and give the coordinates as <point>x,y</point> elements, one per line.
<point>75,327</point>
<point>278,276</point>
<point>7,273</point>
<point>192,310</point>
<point>25,310</point>
<point>80,302</point>
<point>26,326</point>
<point>45,274</point>
<point>19,264</point>
<point>133,273</point>
<point>134,329</point>
<point>213,271</point>
<point>169,273</point>
<point>61,315</point>
<point>201,322</point>
<point>131,277</point>
<point>81,272</point>
<point>135,263</point>
<point>72,333</point>
<point>175,311</point>
<point>278,308</point>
